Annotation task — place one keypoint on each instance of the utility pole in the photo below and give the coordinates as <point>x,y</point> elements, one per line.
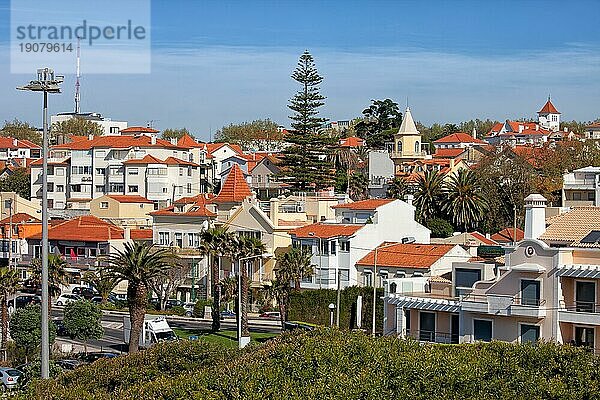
<point>10,232</point>
<point>339,295</point>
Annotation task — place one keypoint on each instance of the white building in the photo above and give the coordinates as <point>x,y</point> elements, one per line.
<point>18,149</point>
<point>581,187</point>
<point>549,117</point>
<point>358,228</point>
<point>109,127</point>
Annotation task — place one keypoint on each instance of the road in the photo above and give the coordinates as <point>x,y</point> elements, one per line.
<point>112,322</point>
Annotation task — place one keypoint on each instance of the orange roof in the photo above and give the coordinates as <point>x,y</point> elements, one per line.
<point>148,159</point>
<point>117,142</point>
<point>449,153</point>
<point>198,208</point>
<point>83,229</point>
<point>235,189</point>
<point>141,234</point>
<point>141,129</point>
<point>483,239</point>
<point>496,128</point>
<point>129,198</point>
<point>352,141</point>
<point>19,218</point>
<point>40,161</point>
<point>212,147</point>
<point>548,108</point>
<point>459,137</point>
<point>506,235</point>
<point>9,143</point>
<point>370,204</point>
<point>188,141</point>
<point>407,255</point>
<point>325,231</point>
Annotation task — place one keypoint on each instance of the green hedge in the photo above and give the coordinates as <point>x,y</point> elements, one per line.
<point>333,364</point>
<point>313,306</point>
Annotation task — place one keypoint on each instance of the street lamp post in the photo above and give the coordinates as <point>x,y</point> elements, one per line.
<point>331,308</point>
<point>375,283</point>
<point>46,82</point>
<point>243,340</point>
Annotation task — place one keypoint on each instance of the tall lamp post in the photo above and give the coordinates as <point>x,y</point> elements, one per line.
<point>375,282</point>
<point>46,82</point>
<point>243,341</point>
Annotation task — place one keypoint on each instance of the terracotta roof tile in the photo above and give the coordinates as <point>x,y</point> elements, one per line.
<point>370,204</point>
<point>548,108</point>
<point>188,141</point>
<point>325,231</point>
<point>83,229</point>
<point>20,218</point>
<point>572,226</point>
<point>9,143</point>
<point>141,129</point>
<point>129,198</point>
<point>436,279</point>
<point>459,137</point>
<point>449,153</point>
<point>117,142</point>
<point>506,235</point>
<point>352,141</point>
<point>483,239</point>
<point>235,188</point>
<point>141,234</point>
<point>413,255</point>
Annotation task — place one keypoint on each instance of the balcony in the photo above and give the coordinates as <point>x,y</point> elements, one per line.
<point>433,336</point>
<point>579,312</point>
<point>504,305</point>
<point>398,154</point>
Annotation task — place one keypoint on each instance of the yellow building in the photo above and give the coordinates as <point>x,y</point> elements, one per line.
<point>407,141</point>
<point>123,210</point>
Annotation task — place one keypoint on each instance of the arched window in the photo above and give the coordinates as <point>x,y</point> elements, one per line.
<point>399,147</point>
<point>393,287</point>
<point>417,147</point>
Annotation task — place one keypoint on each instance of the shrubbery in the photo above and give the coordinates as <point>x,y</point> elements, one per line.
<point>332,364</point>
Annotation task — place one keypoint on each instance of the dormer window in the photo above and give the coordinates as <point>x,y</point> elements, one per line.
<point>178,208</point>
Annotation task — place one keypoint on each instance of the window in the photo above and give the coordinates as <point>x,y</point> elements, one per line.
<point>115,170</point>
<point>180,171</point>
<point>100,188</point>
<point>190,240</point>
<point>427,326</point>
<point>530,333</point>
<point>464,278</point>
<point>333,247</point>
<point>163,238</point>
<point>100,171</point>
<point>482,330</point>
<point>399,147</point>
<point>189,188</point>
<point>417,147</point>
<point>324,247</point>
<point>81,170</point>
<point>530,292</point>
<point>368,278</point>
<point>104,205</point>
<point>189,170</point>
<point>577,196</point>
<point>76,188</point>
<point>50,187</point>
<point>132,171</point>
<point>93,252</point>
<point>591,196</point>
<point>59,171</point>
<point>344,275</point>
<point>116,187</point>
<point>179,239</point>
<point>164,190</point>
<point>157,171</point>
<point>113,129</point>
<point>132,188</point>
<point>101,153</point>
<point>584,337</point>
<point>81,252</point>
<point>60,188</point>
<point>585,296</point>
<point>454,329</point>
<point>196,240</point>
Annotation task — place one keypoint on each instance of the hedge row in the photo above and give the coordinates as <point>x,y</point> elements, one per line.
<point>313,306</point>
<point>332,364</point>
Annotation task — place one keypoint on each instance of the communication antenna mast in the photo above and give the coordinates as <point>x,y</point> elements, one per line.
<point>77,93</point>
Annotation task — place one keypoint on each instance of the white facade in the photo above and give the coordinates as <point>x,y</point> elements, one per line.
<point>581,187</point>
<point>109,127</point>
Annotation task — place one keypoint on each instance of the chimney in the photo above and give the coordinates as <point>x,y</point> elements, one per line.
<point>409,199</point>
<point>15,142</point>
<point>274,211</point>
<point>153,139</point>
<point>90,137</point>
<point>474,133</point>
<point>535,216</point>
<point>127,233</point>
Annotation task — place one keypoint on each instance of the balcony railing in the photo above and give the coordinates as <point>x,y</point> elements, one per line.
<point>425,335</point>
<point>582,306</point>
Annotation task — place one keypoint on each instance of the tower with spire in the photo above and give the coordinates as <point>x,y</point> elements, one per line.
<point>407,141</point>
<point>549,117</point>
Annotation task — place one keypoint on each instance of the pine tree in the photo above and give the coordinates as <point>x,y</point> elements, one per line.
<point>308,161</point>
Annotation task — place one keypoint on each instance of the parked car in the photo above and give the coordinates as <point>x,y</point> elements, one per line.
<point>189,309</point>
<point>85,292</point>
<point>25,300</point>
<point>69,364</point>
<point>118,296</point>
<point>227,314</point>
<point>31,286</point>
<point>9,377</point>
<point>270,315</point>
<point>66,298</point>
<point>91,357</point>
<point>61,330</point>
<point>173,303</point>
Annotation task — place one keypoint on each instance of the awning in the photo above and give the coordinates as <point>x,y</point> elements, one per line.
<point>424,303</point>
<point>579,271</point>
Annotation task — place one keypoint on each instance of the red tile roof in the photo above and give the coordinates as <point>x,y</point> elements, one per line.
<point>141,129</point>
<point>370,204</point>
<point>188,141</point>
<point>483,239</point>
<point>449,153</point>
<point>548,108</point>
<point>129,198</point>
<point>421,256</point>
<point>352,141</point>
<point>235,189</point>
<point>325,231</point>
<point>9,143</point>
<point>20,218</point>
<point>40,161</point>
<point>212,147</point>
<point>83,229</point>
<point>117,142</point>
<point>141,234</point>
<point>459,137</point>
<point>198,208</point>
<point>506,235</point>
<point>148,159</point>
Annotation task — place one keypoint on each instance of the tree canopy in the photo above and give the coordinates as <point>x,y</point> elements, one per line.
<point>21,130</point>
<point>82,321</point>
<point>76,126</point>
<point>379,123</point>
<point>175,133</point>
<point>257,133</point>
<point>19,182</point>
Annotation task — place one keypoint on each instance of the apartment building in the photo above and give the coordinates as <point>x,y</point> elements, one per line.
<point>581,187</point>
<point>11,148</point>
<point>357,229</point>
<point>123,210</point>
<point>15,229</point>
<point>138,164</point>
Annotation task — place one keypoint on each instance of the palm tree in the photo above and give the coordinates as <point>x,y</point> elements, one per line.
<point>278,291</point>
<point>397,189</point>
<point>9,281</point>
<point>102,281</point>
<point>138,263</point>
<point>215,243</point>
<point>359,186</point>
<point>228,289</point>
<point>465,202</point>
<point>57,275</point>
<point>429,192</point>
<point>294,265</point>
<point>247,247</point>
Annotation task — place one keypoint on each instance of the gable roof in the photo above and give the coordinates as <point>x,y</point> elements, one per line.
<point>9,143</point>
<point>188,141</point>
<point>117,142</point>
<point>212,147</point>
<point>352,141</point>
<point>83,229</point>
<point>148,159</point>
<point>20,218</point>
<point>369,204</point>
<point>548,108</point>
<point>573,226</point>
<point>325,230</point>
<point>413,255</point>
<point>450,152</point>
<point>235,189</point>
<point>141,129</point>
<point>198,208</point>
<point>459,137</point>
<point>506,235</point>
<point>129,198</point>
<point>483,239</point>
<point>408,127</point>
<point>141,234</point>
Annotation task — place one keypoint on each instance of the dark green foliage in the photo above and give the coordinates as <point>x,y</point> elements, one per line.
<point>381,120</point>
<point>312,306</point>
<point>308,99</point>
<point>175,133</point>
<point>26,328</point>
<point>82,320</point>
<point>198,311</point>
<point>76,126</point>
<point>246,133</point>
<point>33,372</point>
<point>21,130</point>
<point>19,182</point>
<point>440,228</point>
<point>333,364</point>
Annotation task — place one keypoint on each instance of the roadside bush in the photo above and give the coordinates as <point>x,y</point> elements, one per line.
<point>199,307</point>
<point>334,364</point>
<point>177,310</point>
<point>440,228</point>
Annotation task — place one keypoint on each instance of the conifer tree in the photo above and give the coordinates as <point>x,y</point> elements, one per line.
<point>308,161</point>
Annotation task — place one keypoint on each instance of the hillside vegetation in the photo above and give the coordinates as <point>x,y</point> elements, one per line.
<point>331,364</point>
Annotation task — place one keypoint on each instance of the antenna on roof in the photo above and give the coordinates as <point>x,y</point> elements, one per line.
<point>77,93</point>
<point>406,101</point>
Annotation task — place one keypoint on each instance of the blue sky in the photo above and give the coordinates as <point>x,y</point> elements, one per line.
<point>214,63</point>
